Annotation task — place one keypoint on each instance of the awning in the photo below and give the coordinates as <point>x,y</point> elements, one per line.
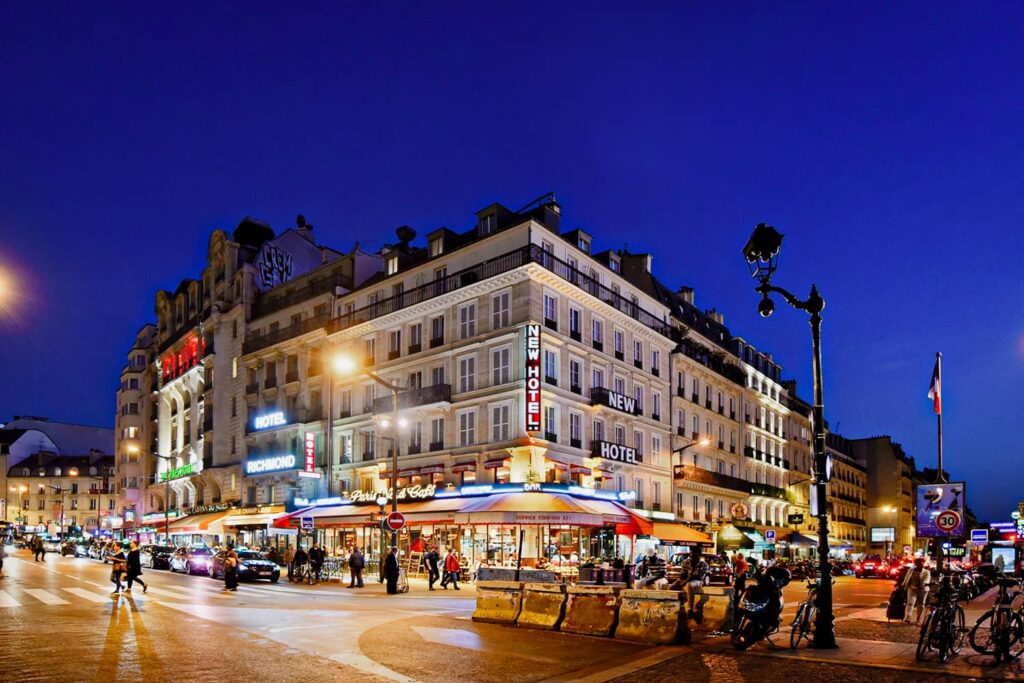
<point>328,515</point>
<point>731,538</point>
<point>798,540</point>
<point>494,464</point>
<point>680,534</point>
<point>837,543</point>
<point>206,523</point>
<point>542,508</point>
<point>559,466</point>
<point>432,469</point>
<point>259,519</point>
<point>464,466</point>
<point>578,469</point>
<point>409,472</point>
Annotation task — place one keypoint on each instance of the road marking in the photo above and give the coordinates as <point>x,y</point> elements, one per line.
<point>46,597</point>
<point>161,591</point>
<point>7,600</point>
<point>88,595</point>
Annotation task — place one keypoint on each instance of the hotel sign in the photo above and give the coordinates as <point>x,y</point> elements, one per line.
<point>616,452</point>
<point>310,445</point>
<point>533,406</point>
<point>615,400</point>
<point>178,472</point>
<point>272,463</point>
<point>406,493</point>
<point>269,420</point>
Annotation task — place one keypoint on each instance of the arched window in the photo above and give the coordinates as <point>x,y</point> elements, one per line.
<point>92,471</point>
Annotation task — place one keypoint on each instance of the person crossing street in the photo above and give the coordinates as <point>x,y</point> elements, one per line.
<point>432,559</point>
<point>134,567</point>
<point>356,562</point>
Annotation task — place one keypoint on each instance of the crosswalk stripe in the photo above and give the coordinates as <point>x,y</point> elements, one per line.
<point>88,595</point>
<point>46,597</point>
<point>7,600</point>
<point>161,591</point>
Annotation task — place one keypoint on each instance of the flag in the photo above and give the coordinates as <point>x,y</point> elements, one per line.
<point>935,390</point>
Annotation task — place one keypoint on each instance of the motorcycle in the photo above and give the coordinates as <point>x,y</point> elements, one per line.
<point>760,607</point>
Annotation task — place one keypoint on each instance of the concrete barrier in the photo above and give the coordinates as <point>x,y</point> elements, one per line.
<point>713,608</point>
<point>498,602</point>
<point>543,606</point>
<point>591,610</point>
<point>650,616</point>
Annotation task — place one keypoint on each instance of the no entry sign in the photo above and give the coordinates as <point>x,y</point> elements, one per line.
<point>395,521</point>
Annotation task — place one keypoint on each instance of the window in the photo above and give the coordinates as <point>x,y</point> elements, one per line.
<point>597,378</point>
<point>597,331</point>
<point>436,246</point>
<point>467,321</point>
<point>440,273</point>
<point>392,264</point>
<point>618,339</point>
<point>638,351</point>
<point>655,448</point>
<point>369,393</point>
<point>575,372</point>
<point>550,422</point>
<point>500,311</point>
<point>655,360</point>
<point>638,396</point>
<point>656,404</point>
<point>574,428</point>
<point>695,427</point>
<point>620,435</point>
<point>574,322</point>
<point>437,330</point>
<point>499,423</point>
<point>620,386</point>
<point>638,442</point>
<point>415,336</point>
<point>598,430</point>
<point>550,367</point>
<point>467,428</point>
<point>370,350</point>
<point>613,263</point>
<point>583,243</point>
<point>467,373</point>
<point>550,310</point>
<point>487,224</point>
<point>395,345</point>
<point>437,433</point>
<point>681,419</point>
<point>656,488</point>
<point>437,375</point>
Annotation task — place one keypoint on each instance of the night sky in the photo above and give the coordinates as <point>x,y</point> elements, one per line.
<point>884,139</point>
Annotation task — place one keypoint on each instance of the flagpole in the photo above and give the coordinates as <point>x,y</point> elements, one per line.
<point>938,364</point>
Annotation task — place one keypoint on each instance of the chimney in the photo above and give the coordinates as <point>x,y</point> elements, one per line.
<point>716,316</point>
<point>686,293</point>
<point>303,228</point>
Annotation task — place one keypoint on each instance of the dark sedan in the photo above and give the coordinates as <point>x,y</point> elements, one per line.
<point>252,566</point>
<point>156,556</point>
<point>191,560</point>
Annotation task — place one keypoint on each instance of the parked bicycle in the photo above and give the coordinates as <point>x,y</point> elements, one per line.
<point>304,573</point>
<point>803,623</point>
<point>944,630</point>
<point>1000,630</point>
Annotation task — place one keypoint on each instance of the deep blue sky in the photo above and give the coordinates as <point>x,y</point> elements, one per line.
<point>885,141</point>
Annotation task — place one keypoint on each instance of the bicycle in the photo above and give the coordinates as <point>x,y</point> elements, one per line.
<point>1000,630</point>
<point>943,629</point>
<point>803,623</point>
<point>303,573</point>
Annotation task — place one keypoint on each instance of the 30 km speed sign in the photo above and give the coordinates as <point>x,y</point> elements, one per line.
<point>947,520</point>
<point>395,521</point>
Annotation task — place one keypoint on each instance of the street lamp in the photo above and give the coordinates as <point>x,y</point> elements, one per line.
<point>344,365</point>
<point>99,495</point>
<point>59,490</point>
<point>891,538</point>
<point>762,255</point>
<point>703,442</point>
<point>20,489</point>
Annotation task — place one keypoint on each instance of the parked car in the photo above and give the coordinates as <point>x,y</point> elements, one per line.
<point>252,566</point>
<point>52,545</point>
<point>68,548</point>
<point>872,566</point>
<point>156,556</point>
<point>719,571</point>
<point>191,560</point>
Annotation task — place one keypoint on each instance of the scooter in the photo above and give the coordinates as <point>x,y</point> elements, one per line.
<point>760,610</point>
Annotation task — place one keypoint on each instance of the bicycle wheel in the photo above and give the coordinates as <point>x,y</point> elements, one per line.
<point>797,631</point>
<point>924,641</point>
<point>959,630</point>
<point>1016,647</point>
<point>981,634</point>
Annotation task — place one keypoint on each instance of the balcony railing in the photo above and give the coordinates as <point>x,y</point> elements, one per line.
<point>713,360</point>
<point>410,398</point>
<point>851,520</point>
<point>768,491</point>
<point>257,342</point>
<point>702,476</point>
<point>272,302</point>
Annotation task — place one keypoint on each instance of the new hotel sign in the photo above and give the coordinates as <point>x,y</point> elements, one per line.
<point>612,399</point>
<point>533,405</point>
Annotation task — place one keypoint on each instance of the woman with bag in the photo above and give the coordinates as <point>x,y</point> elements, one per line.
<point>231,569</point>
<point>118,560</point>
<point>134,567</point>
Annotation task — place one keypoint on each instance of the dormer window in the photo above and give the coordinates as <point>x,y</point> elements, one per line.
<point>437,246</point>
<point>583,243</point>
<point>392,264</point>
<point>488,224</point>
<point>614,264</point>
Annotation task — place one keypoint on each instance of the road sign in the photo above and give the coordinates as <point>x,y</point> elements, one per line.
<point>769,535</point>
<point>947,520</point>
<point>306,523</point>
<point>979,536</point>
<point>395,521</point>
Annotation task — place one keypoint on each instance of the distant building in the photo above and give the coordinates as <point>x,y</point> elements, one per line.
<point>890,493</point>
<point>63,493</point>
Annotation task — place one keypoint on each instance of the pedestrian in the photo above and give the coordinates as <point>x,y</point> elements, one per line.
<point>37,548</point>
<point>356,562</point>
<point>917,583</point>
<point>300,562</point>
<point>316,559</point>
<point>451,571</point>
<point>432,560</point>
<point>3,554</point>
<point>134,567</point>
<point>119,566</point>
<point>289,558</point>
<point>231,569</point>
<point>273,556</point>
<point>391,571</point>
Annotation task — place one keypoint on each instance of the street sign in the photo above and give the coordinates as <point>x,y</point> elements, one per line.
<point>395,521</point>
<point>979,536</point>
<point>795,519</point>
<point>769,535</point>
<point>948,520</point>
<point>306,523</point>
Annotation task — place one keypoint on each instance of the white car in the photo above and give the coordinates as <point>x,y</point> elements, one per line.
<point>51,545</point>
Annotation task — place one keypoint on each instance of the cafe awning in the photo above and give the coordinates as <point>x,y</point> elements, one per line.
<point>259,519</point>
<point>681,534</point>
<point>731,538</point>
<point>205,523</point>
<point>798,540</point>
<point>464,466</point>
<point>542,508</point>
<point>432,469</point>
<point>495,463</point>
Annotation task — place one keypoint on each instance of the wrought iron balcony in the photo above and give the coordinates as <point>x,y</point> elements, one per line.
<point>702,476</point>
<point>411,398</point>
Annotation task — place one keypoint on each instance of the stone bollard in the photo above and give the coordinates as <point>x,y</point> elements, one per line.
<point>543,606</point>
<point>652,616</point>
<point>714,608</point>
<point>498,602</point>
<point>591,610</point>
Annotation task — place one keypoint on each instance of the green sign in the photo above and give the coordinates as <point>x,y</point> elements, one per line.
<point>178,472</point>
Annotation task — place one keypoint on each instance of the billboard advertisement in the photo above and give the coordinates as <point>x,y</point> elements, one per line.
<point>934,501</point>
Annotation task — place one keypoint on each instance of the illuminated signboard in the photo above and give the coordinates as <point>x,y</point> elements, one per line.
<point>178,472</point>
<point>932,501</point>
<point>310,443</point>
<point>176,363</point>
<point>405,493</point>
<point>269,420</point>
<point>533,406</point>
<point>271,463</point>
<point>881,534</point>
<point>616,452</point>
<point>613,399</point>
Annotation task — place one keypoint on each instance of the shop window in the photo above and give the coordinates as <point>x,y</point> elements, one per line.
<point>468,477</point>
<point>501,475</point>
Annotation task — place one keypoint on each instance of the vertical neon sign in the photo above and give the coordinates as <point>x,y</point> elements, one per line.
<point>310,451</point>
<point>533,378</point>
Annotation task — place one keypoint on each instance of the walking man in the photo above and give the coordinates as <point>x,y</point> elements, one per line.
<point>432,559</point>
<point>316,559</point>
<point>391,571</point>
<point>451,571</point>
<point>356,562</point>
<point>289,558</point>
<point>134,567</point>
<point>300,563</point>
<point>119,562</point>
<point>37,547</point>
<point>231,569</point>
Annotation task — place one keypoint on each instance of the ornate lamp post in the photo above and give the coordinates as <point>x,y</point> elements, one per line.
<point>762,255</point>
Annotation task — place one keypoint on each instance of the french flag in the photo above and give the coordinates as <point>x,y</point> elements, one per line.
<point>935,390</point>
